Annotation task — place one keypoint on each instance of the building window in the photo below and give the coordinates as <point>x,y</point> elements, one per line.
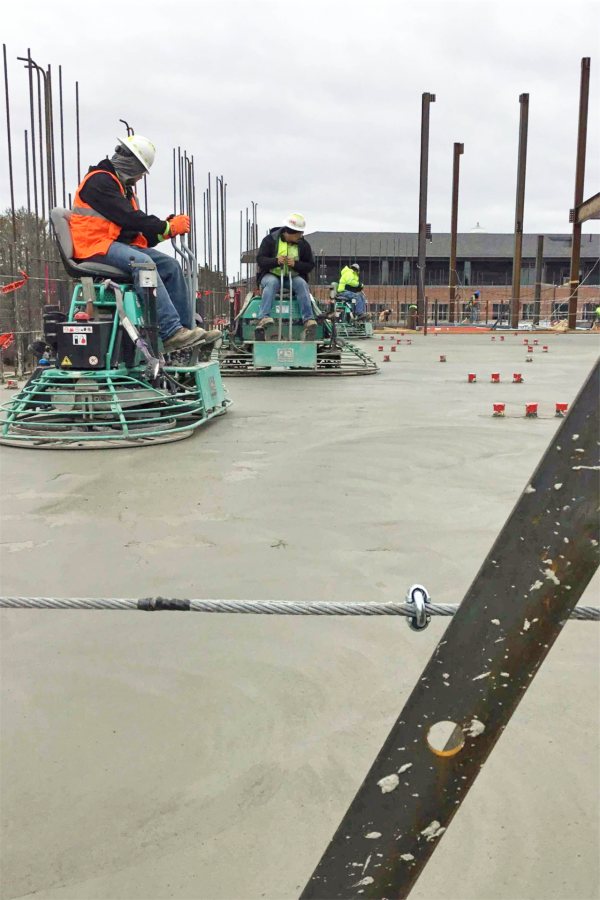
<point>527,311</point>
<point>385,271</point>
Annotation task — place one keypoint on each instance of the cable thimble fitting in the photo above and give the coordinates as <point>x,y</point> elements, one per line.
<point>418,596</point>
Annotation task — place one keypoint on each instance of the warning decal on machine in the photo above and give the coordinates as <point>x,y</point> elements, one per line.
<point>77,329</point>
<point>93,360</point>
<point>66,361</point>
<point>80,339</point>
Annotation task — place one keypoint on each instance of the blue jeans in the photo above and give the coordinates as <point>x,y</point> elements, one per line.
<point>358,299</point>
<point>270,285</point>
<point>173,307</point>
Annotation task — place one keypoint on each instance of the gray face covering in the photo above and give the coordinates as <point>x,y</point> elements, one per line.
<point>129,168</point>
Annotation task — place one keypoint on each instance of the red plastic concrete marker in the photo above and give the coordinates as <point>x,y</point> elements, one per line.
<point>561,410</point>
<point>442,358</point>
<point>393,348</point>
<point>11,385</point>
<point>525,340</point>
<point>531,410</point>
<point>536,342</point>
<point>499,409</point>
<point>471,377</point>
<point>380,348</point>
<point>386,358</point>
<point>529,348</point>
<point>544,349</point>
<point>501,337</point>
<point>517,378</point>
<point>495,377</point>
<point>493,338</point>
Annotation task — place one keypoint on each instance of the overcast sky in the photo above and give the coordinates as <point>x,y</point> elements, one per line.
<point>315,106</point>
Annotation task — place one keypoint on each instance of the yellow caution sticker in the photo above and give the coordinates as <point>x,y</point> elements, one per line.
<point>66,361</point>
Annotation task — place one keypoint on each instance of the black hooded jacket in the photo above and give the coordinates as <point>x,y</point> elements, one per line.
<point>267,255</point>
<point>102,193</point>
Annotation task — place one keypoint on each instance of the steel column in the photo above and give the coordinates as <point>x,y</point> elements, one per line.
<point>519,211</point>
<point>584,93</point>
<point>426,100</point>
<point>539,270</point>
<point>458,151</point>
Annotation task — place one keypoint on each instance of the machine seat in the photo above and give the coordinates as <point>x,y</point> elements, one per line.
<point>59,219</point>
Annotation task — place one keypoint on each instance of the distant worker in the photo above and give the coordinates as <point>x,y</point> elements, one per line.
<point>596,319</point>
<point>473,307</point>
<point>285,250</point>
<point>350,287</point>
<point>411,317</point>
<point>384,315</point>
<point>107,226</point>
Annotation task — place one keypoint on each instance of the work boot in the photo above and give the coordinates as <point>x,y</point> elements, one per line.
<point>310,330</point>
<point>209,337</point>
<point>186,337</point>
<point>264,322</point>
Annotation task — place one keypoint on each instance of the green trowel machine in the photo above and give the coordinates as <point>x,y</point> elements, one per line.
<point>102,379</point>
<point>348,324</point>
<point>285,348</point>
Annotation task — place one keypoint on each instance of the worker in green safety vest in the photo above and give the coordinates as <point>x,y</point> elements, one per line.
<point>350,287</point>
<point>596,322</point>
<point>284,249</point>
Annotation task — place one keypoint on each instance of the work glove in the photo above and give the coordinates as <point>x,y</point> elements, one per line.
<point>178,225</point>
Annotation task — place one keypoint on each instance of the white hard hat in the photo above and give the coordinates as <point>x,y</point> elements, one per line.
<point>355,266</point>
<point>141,147</point>
<point>295,222</point>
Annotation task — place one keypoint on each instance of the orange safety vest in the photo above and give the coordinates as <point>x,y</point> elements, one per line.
<point>90,231</point>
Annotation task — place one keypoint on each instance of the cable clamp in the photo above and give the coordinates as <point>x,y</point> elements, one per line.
<point>418,596</point>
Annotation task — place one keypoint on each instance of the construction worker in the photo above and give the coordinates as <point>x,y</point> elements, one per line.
<point>350,287</point>
<point>596,321</point>
<point>471,312</point>
<point>411,317</point>
<point>108,226</point>
<point>284,249</point>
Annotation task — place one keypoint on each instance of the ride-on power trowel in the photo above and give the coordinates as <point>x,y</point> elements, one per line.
<point>286,347</point>
<point>102,379</point>
<point>349,325</point>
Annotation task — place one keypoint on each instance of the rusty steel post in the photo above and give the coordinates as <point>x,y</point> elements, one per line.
<point>584,93</point>
<point>539,268</point>
<point>459,149</point>
<point>515,302</point>
<point>522,596</point>
<point>426,100</point>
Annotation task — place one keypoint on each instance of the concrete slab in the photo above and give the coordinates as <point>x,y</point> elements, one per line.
<point>166,756</point>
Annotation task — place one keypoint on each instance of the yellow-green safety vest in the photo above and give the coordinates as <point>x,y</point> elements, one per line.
<point>348,278</point>
<point>285,249</point>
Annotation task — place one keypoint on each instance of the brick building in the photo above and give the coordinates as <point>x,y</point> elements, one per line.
<point>390,258</point>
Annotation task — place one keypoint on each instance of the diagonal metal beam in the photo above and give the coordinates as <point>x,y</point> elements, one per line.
<point>536,571</point>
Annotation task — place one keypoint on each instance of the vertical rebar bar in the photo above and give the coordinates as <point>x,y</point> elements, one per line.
<point>458,151</point>
<point>77,136</point>
<point>27,173</point>
<point>519,211</point>
<point>217,223</point>
<point>584,91</point>
<point>62,136</point>
<point>225,233</point>
<point>9,145</point>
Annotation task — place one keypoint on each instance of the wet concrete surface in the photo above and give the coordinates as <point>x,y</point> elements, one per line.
<point>189,756</point>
